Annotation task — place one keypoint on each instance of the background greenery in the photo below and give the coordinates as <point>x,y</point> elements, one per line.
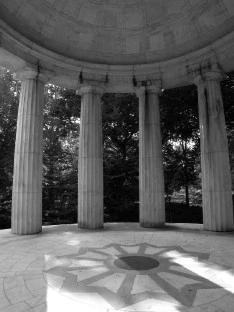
<point>180,141</point>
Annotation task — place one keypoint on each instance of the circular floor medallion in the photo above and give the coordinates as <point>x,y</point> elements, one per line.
<point>136,263</point>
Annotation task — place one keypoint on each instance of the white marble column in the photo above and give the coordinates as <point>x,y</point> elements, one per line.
<point>90,171</point>
<point>216,176</point>
<point>27,181</point>
<point>151,184</point>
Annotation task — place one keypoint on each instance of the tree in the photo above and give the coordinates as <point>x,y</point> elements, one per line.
<point>120,135</point>
<point>180,136</point>
<point>61,131</point>
<point>227,87</point>
<point>9,101</point>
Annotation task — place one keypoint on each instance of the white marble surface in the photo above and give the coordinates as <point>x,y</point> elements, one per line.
<point>120,32</point>
<point>27,180</point>
<point>65,268</point>
<point>151,177</point>
<point>215,165</point>
<point>150,39</point>
<point>90,172</point>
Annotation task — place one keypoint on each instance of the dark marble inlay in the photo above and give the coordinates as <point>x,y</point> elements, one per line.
<point>136,263</point>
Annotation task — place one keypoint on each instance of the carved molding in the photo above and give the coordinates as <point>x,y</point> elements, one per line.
<point>96,88</point>
<point>33,73</point>
<point>206,72</point>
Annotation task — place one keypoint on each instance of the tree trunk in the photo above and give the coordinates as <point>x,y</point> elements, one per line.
<point>186,173</point>
<point>187,195</point>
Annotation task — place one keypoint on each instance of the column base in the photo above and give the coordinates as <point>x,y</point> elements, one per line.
<point>152,225</point>
<point>84,226</point>
<point>218,230</point>
<point>16,232</point>
<point>217,210</point>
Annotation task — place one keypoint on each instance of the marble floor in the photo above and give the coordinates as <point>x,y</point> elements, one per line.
<point>179,268</point>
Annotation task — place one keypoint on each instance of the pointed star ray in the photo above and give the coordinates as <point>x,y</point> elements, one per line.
<point>142,248</point>
<point>170,290</point>
<point>126,287</point>
<point>95,278</point>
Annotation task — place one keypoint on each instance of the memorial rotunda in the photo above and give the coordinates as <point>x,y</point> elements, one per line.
<point>128,46</point>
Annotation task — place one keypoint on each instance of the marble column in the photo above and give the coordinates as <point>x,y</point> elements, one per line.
<point>27,181</point>
<point>151,184</point>
<point>216,176</point>
<point>90,171</point>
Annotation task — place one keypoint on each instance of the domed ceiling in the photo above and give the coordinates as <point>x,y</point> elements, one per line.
<point>120,31</point>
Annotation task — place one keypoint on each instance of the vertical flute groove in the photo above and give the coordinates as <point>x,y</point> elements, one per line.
<point>90,175</point>
<point>152,205</point>
<point>216,177</point>
<point>27,181</point>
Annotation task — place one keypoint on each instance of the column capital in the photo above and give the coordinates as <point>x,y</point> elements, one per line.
<point>140,91</point>
<point>209,72</point>
<point>32,73</point>
<point>94,88</point>
<point>155,87</point>
<point>151,86</point>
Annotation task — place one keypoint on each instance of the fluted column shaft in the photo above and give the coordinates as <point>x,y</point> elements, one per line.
<point>27,180</point>
<point>152,203</point>
<point>216,176</point>
<point>90,172</point>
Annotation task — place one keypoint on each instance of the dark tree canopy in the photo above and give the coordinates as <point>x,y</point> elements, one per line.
<point>228,100</point>
<point>60,154</point>
<point>180,134</point>
<point>120,134</point>
<point>9,100</point>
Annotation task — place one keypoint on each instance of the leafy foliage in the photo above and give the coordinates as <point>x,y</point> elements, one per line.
<point>120,133</point>
<point>9,100</point>
<point>180,134</point>
<point>60,153</point>
<point>227,87</point>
